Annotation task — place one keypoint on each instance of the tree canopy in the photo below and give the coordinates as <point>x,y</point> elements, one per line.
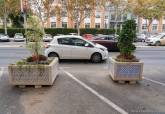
<point>147,9</point>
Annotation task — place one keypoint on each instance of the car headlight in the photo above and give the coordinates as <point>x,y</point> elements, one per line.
<point>102,49</point>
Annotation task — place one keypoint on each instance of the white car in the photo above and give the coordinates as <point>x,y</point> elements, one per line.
<point>75,47</point>
<point>18,37</point>
<point>4,37</point>
<point>47,37</point>
<point>157,40</point>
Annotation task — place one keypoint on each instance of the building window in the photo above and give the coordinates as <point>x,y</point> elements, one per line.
<point>154,27</point>
<point>163,29</point>
<point>98,14</point>
<point>53,24</point>
<point>64,24</point>
<point>87,25</point>
<point>97,25</point>
<point>144,27</point>
<point>112,17</point>
<point>106,16</point>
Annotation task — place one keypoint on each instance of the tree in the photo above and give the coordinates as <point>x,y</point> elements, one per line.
<point>42,9</point>
<point>34,37</point>
<point>6,7</point>
<point>125,41</point>
<point>78,10</point>
<point>147,9</point>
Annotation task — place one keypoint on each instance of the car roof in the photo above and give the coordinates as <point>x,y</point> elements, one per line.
<point>69,36</point>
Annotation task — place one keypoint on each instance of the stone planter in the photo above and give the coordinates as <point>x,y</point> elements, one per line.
<point>33,74</point>
<point>126,71</point>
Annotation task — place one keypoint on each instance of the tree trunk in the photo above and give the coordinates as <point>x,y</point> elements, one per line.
<point>5,23</point>
<point>78,28</point>
<point>148,27</point>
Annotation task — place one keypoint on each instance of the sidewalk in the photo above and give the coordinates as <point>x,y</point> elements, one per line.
<point>65,97</point>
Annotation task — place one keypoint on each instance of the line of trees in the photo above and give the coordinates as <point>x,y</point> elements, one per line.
<point>78,10</point>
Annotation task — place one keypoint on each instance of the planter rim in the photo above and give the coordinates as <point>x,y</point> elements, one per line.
<point>113,59</point>
<point>26,65</point>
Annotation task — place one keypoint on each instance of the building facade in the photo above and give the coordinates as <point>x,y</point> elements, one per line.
<point>100,18</point>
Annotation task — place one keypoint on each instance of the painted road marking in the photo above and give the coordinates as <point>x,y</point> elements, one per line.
<point>14,46</point>
<point>104,99</point>
<point>154,81</point>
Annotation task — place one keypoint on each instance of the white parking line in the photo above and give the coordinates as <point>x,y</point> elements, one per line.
<point>104,99</point>
<point>154,81</point>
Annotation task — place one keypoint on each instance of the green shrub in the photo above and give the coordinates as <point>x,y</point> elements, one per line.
<point>55,31</point>
<point>125,41</point>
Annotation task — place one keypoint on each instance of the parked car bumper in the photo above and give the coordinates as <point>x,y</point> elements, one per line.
<point>105,55</point>
<point>150,43</point>
<point>19,40</point>
<point>7,40</point>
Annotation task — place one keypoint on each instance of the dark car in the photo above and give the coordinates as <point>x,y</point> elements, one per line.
<point>109,41</point>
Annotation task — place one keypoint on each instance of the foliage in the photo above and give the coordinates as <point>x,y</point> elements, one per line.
<point>147,9</point>
<point>6,7</point>
<point>17,20</point>
<point>125,41</point>
<point>9,6</point>
<point>43,9</point>
<point>34,37</point>
<point>78,10</point>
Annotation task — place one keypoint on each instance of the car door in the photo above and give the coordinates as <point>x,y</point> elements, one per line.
<point>81,49</point>
<point>64,48</point>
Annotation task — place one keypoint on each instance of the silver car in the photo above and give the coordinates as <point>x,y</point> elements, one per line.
<point>47,38</point>
<point>19,37</point>
<point>4,37</point>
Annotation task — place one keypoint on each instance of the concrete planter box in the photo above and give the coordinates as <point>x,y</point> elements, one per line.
<point>126,71</point>
<point>33,74</point>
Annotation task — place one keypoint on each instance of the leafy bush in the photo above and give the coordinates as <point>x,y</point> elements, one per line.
<point>125,41</point>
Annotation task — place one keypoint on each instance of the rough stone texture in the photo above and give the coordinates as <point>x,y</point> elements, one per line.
<point>126,70</point>
<point>33,74</point>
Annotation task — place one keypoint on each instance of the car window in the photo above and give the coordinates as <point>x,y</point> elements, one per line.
<point>109,38</point>
<point>101,38</point>
<point>64,41</point>
<point>78,42</point>
<point>163,37</point>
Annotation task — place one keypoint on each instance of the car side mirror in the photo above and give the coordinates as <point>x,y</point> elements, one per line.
<point>88,45</point>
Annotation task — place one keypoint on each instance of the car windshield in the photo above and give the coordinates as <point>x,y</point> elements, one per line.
<point>48,35</point>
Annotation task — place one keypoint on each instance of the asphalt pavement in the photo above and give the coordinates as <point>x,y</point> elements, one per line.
<point>86,88</point>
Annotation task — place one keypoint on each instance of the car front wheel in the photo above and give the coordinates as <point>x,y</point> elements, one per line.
<point>96,58</point>
<point>53,55</point>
